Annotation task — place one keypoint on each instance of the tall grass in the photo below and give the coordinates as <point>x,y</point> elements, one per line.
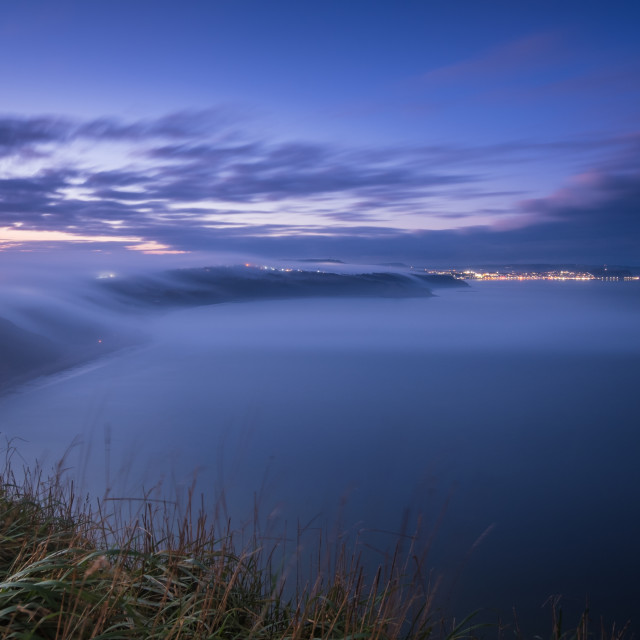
<point>73,569</point>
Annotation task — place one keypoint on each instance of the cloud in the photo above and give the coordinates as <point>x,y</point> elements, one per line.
<point>594,219</point>
<point>187,124</point>
<point>595,203</point>
<point>278,172</point>
<point>18,133</point>
<point>21,197</point>
<point>509,59</point>
<point>173,167</point>
<point>186,182</point>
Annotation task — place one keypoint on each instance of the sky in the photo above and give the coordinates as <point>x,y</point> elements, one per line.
<point>369,131</point>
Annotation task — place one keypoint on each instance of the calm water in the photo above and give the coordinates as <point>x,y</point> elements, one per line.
<point>515,404</point>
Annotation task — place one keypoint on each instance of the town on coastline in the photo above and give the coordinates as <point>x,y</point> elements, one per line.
<point>542,273</point>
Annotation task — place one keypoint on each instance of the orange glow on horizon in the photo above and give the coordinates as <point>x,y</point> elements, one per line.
<point>11,237</point>
<point>153,247</point>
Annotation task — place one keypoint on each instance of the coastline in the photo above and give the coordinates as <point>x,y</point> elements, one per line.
<point>27,357</point>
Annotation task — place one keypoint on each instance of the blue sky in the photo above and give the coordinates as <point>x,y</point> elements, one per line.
<point>423,131</point>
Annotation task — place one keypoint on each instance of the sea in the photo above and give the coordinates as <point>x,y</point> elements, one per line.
<point>501,420</point>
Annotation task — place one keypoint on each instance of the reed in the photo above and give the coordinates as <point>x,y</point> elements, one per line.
<point>75,569</point>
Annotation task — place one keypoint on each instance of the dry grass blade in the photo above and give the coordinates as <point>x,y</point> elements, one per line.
<point>68,571</point>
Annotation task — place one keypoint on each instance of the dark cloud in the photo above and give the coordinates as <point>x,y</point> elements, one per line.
<point>115,179</point>
<point>214,155</point>
<point>18,134</point>
<point>114,194</point>
<point>251,173</point>
<point>39,202</point>
<point>594,203</point>
<point>595,219</point>
<point>32,195</point>
<point>180,125</point>
<point>476,246</point>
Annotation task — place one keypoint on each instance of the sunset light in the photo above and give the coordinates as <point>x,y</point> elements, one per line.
<point>324,317</point>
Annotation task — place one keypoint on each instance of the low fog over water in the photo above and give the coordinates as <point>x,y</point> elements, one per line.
<point>512,406</point>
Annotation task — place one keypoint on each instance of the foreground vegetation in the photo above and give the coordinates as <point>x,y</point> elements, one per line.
<point>72,570</point>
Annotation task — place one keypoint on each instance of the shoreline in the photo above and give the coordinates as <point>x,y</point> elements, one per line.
<point>61,371</point>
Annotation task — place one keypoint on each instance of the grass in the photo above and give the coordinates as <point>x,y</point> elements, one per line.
<point>71,569</point>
